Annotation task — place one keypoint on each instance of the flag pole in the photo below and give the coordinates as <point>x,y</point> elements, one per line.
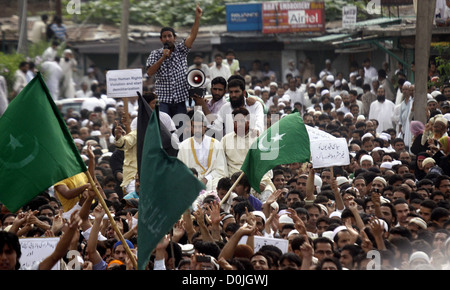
<point>231,188</point>
<point>111,219</point>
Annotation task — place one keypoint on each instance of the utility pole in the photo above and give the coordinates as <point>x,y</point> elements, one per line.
<point>424,25</point>
<point>22,46</point>
<point>123,53</point>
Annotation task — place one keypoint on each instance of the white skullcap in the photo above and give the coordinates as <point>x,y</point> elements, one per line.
<point>419,255</point>
<point>324,92</point>
<point>285,219</point>
<point>387,165</point>
<point>337,230</point>
<point>418,221</point>
<point>366,157</point>
<point>293,232</point>
<point>257,88</point>
<point>260,214</point>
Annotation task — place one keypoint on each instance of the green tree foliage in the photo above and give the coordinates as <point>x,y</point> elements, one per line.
<point>180,13</point>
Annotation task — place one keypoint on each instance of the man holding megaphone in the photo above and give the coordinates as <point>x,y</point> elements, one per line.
<point>169,66</point>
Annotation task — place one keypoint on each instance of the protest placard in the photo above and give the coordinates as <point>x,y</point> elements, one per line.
<point>123,83</point>
<point>35,250</point>
<point>259,241</point>
<point>329,152</point>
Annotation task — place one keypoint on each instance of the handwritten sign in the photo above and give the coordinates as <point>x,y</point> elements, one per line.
<point>35,250</point>
<point>124,83</point>
<point>329,152</point>
<point>259,241</point>
<point>317,134</point>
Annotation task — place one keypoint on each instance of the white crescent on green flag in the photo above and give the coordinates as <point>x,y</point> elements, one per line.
<point>285,142</point>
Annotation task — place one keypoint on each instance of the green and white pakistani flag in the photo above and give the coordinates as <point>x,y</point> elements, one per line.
<point>37,149</point>
<point>285,142</point>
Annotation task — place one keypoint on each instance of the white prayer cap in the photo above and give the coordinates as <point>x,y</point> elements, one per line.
<point>337,230</point>
<point>324,92</point>
<point>273,84</point>
<point>387,165</point>
<point>78,141</point>
<point>293,232</point>
<point>330,78</point>
<point>361,118</point>
<point>111,101</point>
<point>435,93</point>
<point>348,115</point>
<point>319,84</point>
<point>335,214</point>
<point>260,214</point>
<point>96,133</point>
<point>385,136</point>
<point>285,219</point>
<point>338,97</point>
<point>257,88</point>
<point>406,84</point>
<point>419,221</point>
<point>337,83</point>
<point>367,135</point>
<point>328,234</point>
<point>317,182</point>
<point>353,74</point>
<point>341,180</point>
<point>322,74</point>
<point>366,157</point>
<point>67,51</point>
<point>419,255</point>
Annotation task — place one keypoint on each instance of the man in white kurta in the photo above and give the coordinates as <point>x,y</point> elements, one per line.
<point>68,65</point>
<point>404,116</point>
<point>203,153</point>
<point>237,143</point>
<point>382,110</point>
<point>224,120</point>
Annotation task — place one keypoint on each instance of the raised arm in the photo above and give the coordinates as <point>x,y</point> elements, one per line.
<point>228,250</point>
<point>63,244</point>
<point>94,255</point>
<point>194,31</point>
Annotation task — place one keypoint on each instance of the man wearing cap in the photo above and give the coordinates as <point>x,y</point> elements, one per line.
<point>68,65</point>
<point>169,66</point>
<point>382,110</point>
<point>345,107</point>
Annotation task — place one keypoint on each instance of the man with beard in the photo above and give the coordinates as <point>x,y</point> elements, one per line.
<point>169,66</point>
<point>224,123</point>
<point>211,108</point>
<point>382,110</point>
<point>203,153</point>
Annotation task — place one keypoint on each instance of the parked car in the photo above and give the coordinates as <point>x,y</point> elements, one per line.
<point>72,103</point>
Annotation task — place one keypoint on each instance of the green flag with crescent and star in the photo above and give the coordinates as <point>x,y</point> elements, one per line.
<point>37,147</point>
<point>285,142</point>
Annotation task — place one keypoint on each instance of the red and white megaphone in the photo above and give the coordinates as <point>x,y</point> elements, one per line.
<point>196,79</point>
